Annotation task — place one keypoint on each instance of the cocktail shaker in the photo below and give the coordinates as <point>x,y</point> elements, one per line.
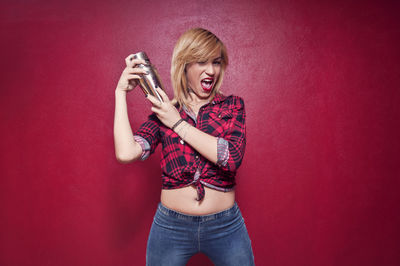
<point>149,82</point>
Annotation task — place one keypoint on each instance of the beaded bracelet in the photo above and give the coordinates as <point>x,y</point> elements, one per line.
<point>177,124</point>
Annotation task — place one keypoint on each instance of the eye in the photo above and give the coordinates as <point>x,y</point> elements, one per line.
<point>217,62</point>
<point>201,62</point>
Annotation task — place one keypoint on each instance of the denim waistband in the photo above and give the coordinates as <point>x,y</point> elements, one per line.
<point>198,218</point>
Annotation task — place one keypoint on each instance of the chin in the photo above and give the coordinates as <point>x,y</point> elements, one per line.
<point>205,94</point>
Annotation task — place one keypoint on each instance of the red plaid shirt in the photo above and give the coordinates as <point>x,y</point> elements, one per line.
<point>182,165</point>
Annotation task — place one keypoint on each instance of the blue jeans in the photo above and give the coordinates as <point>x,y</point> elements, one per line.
<point>175,237</point>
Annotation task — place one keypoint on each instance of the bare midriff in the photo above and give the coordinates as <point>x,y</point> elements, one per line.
<point>184,200</point>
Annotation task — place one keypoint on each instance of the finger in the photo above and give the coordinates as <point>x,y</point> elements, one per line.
<point>131,62</point>
<point>155,110</point>
<point>137,62</point>
<point>135,70</point>
<point>129,58</point>
<point>132,76</point>
<point>163,95</point>
<point>154,100</point>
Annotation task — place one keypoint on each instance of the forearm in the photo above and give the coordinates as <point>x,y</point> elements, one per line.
<point>202,142</point>
<point>126,149</point>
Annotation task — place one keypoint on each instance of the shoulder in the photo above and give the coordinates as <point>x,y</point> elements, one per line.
<point>234,101</point>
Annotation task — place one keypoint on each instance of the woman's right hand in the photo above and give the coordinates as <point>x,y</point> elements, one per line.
<point>129,77</point>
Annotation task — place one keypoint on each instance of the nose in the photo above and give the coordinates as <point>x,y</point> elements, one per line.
<point>210,69</point>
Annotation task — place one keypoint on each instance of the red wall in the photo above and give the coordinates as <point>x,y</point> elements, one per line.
<point>319,184</point>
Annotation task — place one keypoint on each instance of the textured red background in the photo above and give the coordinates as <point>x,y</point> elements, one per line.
<point>319,184</point>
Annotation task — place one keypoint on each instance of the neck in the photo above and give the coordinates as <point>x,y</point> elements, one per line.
<point>196,101</point>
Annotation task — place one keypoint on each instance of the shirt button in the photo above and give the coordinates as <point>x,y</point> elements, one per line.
<point>197,157</point>
<point>219,116</point>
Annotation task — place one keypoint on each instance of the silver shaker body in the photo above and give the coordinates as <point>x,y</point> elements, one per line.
<point>149,82</point>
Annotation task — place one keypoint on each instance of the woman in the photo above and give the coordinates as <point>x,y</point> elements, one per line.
<point>202,133</point>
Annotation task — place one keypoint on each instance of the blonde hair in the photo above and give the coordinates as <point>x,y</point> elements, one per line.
<point>193,46</point>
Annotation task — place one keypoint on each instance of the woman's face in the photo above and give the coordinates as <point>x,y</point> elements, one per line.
<point>203,75</point>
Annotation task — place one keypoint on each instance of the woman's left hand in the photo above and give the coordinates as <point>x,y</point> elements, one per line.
<point>165,111</point>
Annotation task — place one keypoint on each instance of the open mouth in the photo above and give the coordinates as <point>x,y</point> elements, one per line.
<point>207,84</point>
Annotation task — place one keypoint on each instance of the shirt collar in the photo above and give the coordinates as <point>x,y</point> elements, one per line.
<point>189,113</point>
<point>217,99</point>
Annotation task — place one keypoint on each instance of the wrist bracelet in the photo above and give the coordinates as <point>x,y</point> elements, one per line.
<point>177,124</point>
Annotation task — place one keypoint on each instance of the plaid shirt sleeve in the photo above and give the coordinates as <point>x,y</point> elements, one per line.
<point>235,136</point>
<point>149,131</point>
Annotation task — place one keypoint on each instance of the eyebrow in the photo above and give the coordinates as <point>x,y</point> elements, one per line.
<point>212,59</point>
